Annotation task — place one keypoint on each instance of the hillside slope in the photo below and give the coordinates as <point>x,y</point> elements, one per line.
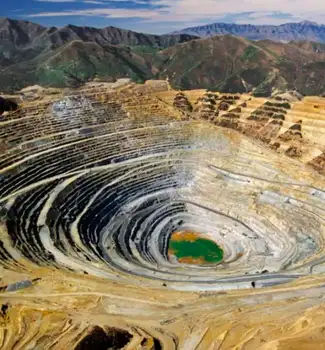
<point>232,64</point>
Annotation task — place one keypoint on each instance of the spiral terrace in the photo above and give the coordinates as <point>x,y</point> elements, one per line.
<point>92,191</point>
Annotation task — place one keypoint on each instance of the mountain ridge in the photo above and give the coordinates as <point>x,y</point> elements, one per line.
<point>19,33</point>
<point>70,56</point>
<point>305,30</point>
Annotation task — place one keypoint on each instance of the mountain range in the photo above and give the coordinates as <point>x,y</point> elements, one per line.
<point>31,53</point>
<point>69,56</point>
<point>305,30</point>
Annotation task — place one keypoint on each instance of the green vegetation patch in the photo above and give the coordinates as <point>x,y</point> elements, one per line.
<point>250,53</point>
<point>204,250</point>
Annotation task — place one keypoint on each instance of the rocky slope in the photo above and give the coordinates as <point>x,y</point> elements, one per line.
<point>285,32</point>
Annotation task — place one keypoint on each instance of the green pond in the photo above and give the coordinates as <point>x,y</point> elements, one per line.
<point>200,249</point>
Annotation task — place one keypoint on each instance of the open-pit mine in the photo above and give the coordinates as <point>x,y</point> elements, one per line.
<point>139,217</point>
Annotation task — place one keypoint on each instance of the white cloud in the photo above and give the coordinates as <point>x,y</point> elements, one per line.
<point>112,13</point>
<point>199,11</point>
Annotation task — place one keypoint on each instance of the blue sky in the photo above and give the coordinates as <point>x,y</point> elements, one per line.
<point>162,16</point>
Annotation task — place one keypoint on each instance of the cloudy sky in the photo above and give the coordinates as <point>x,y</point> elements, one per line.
<point>162,16</point>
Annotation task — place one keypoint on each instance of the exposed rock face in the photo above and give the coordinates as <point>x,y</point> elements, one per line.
<point>228,112</point>
<point>293,133</point>
<point>19,33</point>
<point>266,121</point>
<point>318,163</point>
<point>206,106</point>
<point>94,182</point>
<point>293,151</point>
<point>182,103</point>
<point>291,96</point>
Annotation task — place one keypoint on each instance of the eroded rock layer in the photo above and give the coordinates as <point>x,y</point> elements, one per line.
<point>92,189</point>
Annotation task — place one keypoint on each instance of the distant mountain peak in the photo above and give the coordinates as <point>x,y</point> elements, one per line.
<point>305,30</point>
<point>306,22</point>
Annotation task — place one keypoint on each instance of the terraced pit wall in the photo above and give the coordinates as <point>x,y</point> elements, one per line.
<point>94,183</point>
